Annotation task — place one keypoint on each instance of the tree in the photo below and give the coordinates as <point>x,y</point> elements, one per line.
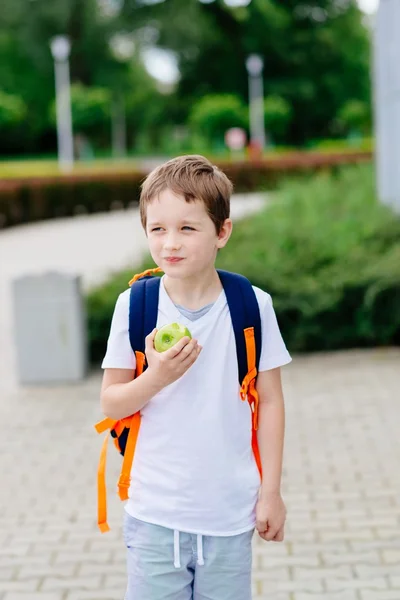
<point>277,116</point>
<point>27,69</point>
<point>12,111</point>
<point>90,109</point>
<point>355,117</point>
<point>316,53</point>
<point>213,115</point>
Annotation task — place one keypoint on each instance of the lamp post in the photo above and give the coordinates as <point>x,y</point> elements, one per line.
<point>60,49</point>
<point>255,65</point>
<point>122,47</point>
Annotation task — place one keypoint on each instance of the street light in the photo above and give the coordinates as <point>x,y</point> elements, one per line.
<point>60,49</point>
<point>255,65</point>
<point>122,47</point>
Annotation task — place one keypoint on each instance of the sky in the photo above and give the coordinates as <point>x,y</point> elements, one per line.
<point>369,6</point>
<point>162,65</point>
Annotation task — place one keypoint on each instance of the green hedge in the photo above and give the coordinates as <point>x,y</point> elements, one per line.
<point>31,199</point>
<point>327,252</point>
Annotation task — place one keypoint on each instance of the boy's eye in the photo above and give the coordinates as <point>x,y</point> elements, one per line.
<point>156,229</point>
<point>187,227</point>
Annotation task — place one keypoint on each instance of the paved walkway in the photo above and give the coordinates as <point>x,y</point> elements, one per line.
<point>341,476</point>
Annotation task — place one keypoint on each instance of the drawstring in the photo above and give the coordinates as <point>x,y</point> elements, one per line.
<point>177,553</point>
<point>177,556</point>
<point>200,557</point>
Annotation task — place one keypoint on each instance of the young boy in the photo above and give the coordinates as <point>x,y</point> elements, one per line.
<point>196,495</point>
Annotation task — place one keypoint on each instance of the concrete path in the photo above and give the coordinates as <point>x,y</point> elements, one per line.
<point>341,477</point>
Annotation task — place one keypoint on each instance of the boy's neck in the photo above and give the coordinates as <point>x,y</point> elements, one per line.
<point>194,292</point>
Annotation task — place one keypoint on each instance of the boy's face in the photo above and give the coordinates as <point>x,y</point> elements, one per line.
<point>182,237</point>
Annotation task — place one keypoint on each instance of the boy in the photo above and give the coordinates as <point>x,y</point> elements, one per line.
<point>196,495</point>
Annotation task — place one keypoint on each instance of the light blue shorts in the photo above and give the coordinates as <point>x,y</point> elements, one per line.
<point>164,564</point>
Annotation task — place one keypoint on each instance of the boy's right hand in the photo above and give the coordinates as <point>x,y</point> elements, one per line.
<point>170,365</point>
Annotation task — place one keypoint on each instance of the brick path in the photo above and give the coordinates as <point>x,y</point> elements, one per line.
<point>341,476</point>
<point>341,484</point>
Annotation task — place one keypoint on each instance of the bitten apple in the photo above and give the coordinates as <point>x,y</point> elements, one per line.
<point>169,335</point>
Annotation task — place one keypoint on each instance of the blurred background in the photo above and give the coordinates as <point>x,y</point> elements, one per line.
<point>160,77</point>
<point>297,102</point>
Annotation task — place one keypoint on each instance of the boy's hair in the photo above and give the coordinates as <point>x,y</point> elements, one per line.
<point>194,178</point>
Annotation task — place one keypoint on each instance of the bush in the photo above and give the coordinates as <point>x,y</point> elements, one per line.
<point>355,115</point>
<point>213,115</point>
<point>330,262</point>
<point>28,200</point>
<point>91,109</point>
<point>278,114</point>
<point>327,252</point>
<point>13,111</point>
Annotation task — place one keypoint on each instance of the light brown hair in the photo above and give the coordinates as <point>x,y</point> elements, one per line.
<point>194,178</point>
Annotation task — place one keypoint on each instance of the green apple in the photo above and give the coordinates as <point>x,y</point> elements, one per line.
<point>167,336</point>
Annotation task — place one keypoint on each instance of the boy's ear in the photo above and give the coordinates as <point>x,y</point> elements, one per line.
<point>225,233</point>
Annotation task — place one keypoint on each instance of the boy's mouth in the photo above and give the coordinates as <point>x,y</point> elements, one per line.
<point>173,259</point>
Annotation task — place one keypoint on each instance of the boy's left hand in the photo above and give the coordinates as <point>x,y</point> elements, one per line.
<point>271,516</point>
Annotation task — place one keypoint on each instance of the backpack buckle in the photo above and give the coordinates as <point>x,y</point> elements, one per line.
<point>251,375</point>
<point>124,482</point>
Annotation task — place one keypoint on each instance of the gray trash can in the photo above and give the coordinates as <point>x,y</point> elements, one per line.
<point>50,328</point>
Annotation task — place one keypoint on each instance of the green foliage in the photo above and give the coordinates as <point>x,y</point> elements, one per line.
<point>100,305</point>
<point>316,57</point>
<point>325,250</point>
<point>27,69</point>
<point>343,145</point>
<point>355,115</point>
<point>316,54</point>
<point>277,116</point>
<point>12,111</point>
<point>327,253</point>
<point>90,109</point>
<point>213,115</point>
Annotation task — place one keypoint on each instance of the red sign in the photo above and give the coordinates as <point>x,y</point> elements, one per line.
<point>235,138</point>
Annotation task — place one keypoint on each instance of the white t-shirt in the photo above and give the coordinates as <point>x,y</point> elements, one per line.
<point>194,469</point>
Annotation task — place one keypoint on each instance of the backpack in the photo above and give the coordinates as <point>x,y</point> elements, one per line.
<point>143,311</point>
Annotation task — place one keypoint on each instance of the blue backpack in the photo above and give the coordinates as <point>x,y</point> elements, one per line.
<point>143,311</point>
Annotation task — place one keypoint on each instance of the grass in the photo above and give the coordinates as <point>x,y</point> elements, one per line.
<point>39,167</point>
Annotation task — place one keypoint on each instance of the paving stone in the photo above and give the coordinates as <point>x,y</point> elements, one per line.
<point>34,596</point>
<point>380,595</point>
<point>348,595</point>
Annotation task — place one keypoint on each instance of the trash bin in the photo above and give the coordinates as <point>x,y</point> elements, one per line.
<point>49,328</point>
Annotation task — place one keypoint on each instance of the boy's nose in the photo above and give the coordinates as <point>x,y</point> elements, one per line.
<point>172,243</point>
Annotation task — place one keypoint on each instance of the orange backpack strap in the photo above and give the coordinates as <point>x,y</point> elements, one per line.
<point>105,424</point>
<point>145,274</point>
<point>102,490</point>
<point>101,427</point>
<point>248,390</point>
<point>133,424</point>
<point>125,476</point>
